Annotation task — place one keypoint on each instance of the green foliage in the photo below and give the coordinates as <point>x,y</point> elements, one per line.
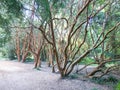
<point>111,80</point>
<point>4,36</point>
<point>73,76</point>
<point>94,89</point>
<point>48,9</point>
<point>9,51</point>
<point>13,7</point>
<point>101,1</point>
<point>57,4</point>
<point>118,86</point>
<point>29,59</point>
<point>3,52</point>
<point>3,21</point>
<point>87,60</point>
<point>9,11</point>
<point>43,9</point>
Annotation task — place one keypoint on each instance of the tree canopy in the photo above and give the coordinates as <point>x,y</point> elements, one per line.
<point>70,30</point>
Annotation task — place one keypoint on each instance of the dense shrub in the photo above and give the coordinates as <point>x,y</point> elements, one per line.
<point>9,51</point>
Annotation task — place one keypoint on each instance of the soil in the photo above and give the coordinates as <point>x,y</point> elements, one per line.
<point>21,76</point>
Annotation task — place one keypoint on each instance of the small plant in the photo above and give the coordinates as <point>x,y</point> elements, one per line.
<point>73,76</point>
<point>37,69</point>
<point>105,80</point>
<point>94,89</point>
<point>118,86</point>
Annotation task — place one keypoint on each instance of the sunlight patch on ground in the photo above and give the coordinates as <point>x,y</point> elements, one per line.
<point>10,69</point>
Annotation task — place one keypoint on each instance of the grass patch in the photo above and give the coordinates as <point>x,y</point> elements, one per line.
<point>111,80</point>
<point>73,76</point>
<point>117,86</point>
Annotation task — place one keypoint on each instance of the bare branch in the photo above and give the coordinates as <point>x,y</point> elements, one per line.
<point>105,36</point>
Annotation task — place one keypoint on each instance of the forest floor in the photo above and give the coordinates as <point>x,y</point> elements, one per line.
<point>21,76</point>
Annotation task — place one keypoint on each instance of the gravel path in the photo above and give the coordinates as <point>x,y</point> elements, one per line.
<point>21,76</point>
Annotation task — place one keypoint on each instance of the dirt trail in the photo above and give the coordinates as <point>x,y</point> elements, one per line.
<point>21,76</point>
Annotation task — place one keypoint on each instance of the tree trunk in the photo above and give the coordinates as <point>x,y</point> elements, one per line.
<point>24,56</point>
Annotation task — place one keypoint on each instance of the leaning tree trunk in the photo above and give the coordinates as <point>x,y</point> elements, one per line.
<point>24,56</point>
<point>37,61</point>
